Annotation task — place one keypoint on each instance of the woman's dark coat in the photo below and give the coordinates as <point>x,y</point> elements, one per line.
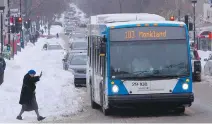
<point>28,89</point>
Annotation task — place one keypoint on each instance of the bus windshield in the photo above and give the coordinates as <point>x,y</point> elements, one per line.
<point>149,58</point>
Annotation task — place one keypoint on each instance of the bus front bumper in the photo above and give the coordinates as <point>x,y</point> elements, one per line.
<point>164,99</point>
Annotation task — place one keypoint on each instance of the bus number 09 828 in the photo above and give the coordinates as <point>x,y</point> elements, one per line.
<point>139,84</point>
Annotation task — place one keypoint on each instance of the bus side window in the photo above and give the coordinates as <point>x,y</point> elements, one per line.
<point>95,54</point>
<point>98,56</point>
<point>88,47</point>
<point>102,64</point>
<point>91,51</point>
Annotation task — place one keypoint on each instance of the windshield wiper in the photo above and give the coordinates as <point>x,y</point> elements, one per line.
<point>133,75</point>
<point>175,65</point>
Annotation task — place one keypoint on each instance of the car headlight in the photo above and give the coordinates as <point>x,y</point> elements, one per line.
<point>185,86</point>
<point>115,89</point>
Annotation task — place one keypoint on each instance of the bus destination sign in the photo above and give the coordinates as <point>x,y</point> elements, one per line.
<point>147,33</point>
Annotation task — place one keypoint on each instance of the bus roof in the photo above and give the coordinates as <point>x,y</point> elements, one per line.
<point>124,17</point>
<point>144,22</point>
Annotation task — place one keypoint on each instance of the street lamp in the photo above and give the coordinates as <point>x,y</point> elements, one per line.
<point>194,18</point>
<point>120,5</point>
<point>2,11</point>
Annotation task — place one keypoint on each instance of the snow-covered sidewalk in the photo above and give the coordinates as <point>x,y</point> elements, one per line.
<point>56,94</point>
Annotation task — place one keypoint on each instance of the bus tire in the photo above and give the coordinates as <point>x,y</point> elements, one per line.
<point>180,110</point>
<point>76,85</point>
<point>93,104</point>
<point>198,78</point>
<point>105,111</point>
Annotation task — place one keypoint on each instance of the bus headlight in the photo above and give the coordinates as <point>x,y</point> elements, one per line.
<point>185,86</point>
<point>115,89</point>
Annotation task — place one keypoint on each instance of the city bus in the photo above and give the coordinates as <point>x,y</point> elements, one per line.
<point>137,60</point>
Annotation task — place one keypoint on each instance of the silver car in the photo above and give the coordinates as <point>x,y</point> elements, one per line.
<point>49,46</point>
<point>79,46</point>
<point>76,63</point>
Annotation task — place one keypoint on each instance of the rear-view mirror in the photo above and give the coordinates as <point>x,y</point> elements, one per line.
<point>103,46</point>
<point>102,49</point>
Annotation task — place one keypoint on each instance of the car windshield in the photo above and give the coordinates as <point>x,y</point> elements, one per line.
<point>68,31</point>
<point>79,46</point>
<point>78,35</point>
<point>78,60</point>
<point>139,59</point>
<point>54,47</point>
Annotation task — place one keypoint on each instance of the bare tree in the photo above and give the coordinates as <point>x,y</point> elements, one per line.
<point>46,8</point>
<point>164,7</point>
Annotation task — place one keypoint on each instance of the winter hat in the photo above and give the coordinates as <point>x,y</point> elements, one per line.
<point>31,72</point>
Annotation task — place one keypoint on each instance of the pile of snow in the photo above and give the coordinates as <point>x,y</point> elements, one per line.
<point>204,55</point>
<point>56,94</point>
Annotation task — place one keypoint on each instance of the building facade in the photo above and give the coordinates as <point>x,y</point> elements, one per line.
<point>207,9</point>
<point>4,3</point>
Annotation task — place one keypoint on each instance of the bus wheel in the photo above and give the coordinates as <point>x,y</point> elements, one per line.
<point>180,110</point>
<point>93,104</point>
<point>102,101</point>
<point>198,78</point>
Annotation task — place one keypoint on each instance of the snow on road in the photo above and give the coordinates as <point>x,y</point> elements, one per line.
<point>204,55</point>
<point>56,94</point>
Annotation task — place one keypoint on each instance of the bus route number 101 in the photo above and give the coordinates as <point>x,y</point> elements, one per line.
<point>130,34</point>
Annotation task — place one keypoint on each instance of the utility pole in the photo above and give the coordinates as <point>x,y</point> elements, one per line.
<point>2,12</point>
<point>120,6</point>
<point>178,7</point>
<point>21,32</point>
<point>8,2</point>
<point>141,5</point>
<point>2,33</point>
<point>194,19</point>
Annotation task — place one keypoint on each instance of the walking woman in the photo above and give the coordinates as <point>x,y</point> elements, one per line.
<point>27,97</point>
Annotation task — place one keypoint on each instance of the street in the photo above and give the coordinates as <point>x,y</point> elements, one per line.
<point>199,112</point>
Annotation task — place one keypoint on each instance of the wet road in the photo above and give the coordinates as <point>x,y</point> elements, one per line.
<point>200,111</point>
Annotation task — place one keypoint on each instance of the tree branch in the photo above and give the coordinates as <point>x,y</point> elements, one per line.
<point>33,9</point>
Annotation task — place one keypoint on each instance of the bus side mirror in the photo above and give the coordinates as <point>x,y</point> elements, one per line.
<point>102,49</point>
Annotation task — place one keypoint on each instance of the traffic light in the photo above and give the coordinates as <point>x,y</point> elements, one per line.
<point>172,18</point>
<point>27,24</point>
<point>190,26</point>
<point>186,21</point>
<point>13,29</point>
<point>18,24</point>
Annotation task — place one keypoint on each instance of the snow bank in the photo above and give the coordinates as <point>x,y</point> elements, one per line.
<point>204,55</point>
<point>56,94</point>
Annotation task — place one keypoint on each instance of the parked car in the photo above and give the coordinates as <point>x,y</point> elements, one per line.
<point>76,63</point>
<point>77,35</point>
<point>196,65</point>
<point>52,46</point>
<point>79,44</point>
